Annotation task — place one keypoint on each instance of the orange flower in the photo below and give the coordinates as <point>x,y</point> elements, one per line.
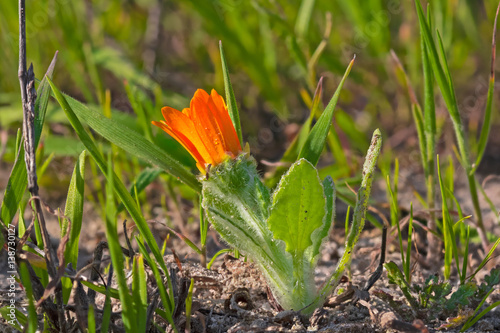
<point>204,129</point>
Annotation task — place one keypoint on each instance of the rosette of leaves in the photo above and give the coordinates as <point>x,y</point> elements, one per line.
<point>283,232</point>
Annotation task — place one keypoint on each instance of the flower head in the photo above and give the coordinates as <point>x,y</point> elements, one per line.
<point>204,129</point>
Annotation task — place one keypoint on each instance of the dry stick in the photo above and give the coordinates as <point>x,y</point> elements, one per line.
<point>28,95</point>
<point>378,272</point>
<point>94,274</point>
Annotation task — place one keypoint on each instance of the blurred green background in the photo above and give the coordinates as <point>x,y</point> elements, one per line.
<point>162,51</point>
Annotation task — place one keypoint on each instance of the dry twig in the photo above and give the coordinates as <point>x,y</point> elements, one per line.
<point>28,95</point>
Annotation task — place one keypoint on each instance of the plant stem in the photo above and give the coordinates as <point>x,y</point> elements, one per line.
<point>477,209</point>
<point>299,287</point>
<point>28,96</point>
<point>430,136</point>
<point>437,58</point>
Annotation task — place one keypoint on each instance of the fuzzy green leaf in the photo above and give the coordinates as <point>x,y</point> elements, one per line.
<point>321,233</point>
<point>237,205</point>
<point>298,207</point>
<point>298,218</point>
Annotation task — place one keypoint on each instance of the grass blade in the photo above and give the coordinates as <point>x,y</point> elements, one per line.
<point>106,311</point>
<point>101,289</point>
<point>140,292</point>
<point>166,300</point>
<point>91,320</point>
<point>479,316</point>
<point>132,142</point>
<point>209,265</point>
<point>42,100</point>
<point>407,268</point>
<point>120,189</point>
<point>32,324</point>
<point>430,139</point>
<point>116,254</point>
<point>450,245</point>
<point>74,213</point>
<point>203,234</point>
<point>304,17</point>
<point>16,185</point>
<point>422,137</point>
<point>486,258</point>
<point>143,179</point>
<point>429,109</point>
<point>485,130</point>
<point>189,303</point>
<point>295,147</point>
<point>230,99</point>
<point>316,139</point>
<point>20,321</point>
<point>186,240</point>
<point>443,78</point>
<point>466,255</point>
<point>439,69</point>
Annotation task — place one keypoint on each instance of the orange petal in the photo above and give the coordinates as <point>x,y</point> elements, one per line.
<point>206,126</point>
<point>180,123</point>
<point>205,129</point>
<point>181,127</point>
<point>183,140</point>
<point>232,143</point>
